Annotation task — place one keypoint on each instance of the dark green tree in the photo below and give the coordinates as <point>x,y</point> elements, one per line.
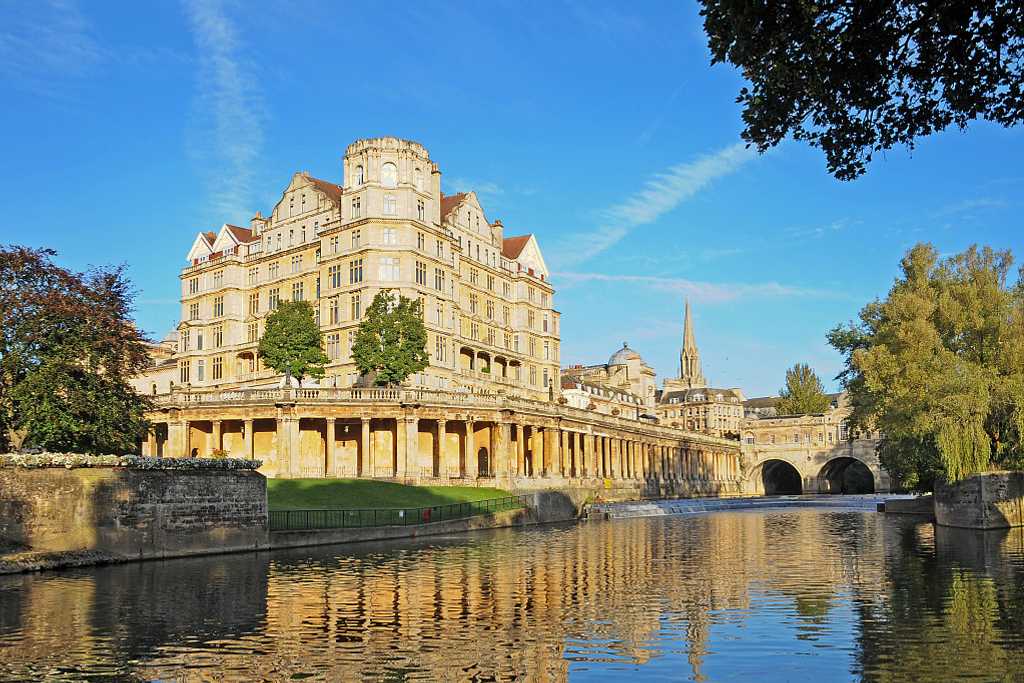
<point>68,348</point>
<point>292,343</point>
<point>803,392</point>
<point>938,366</point>
<point>856,78</point>
<point>391,341</point>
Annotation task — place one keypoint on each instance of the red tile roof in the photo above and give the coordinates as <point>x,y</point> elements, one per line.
<point>512,247</point>
<point>211,237</point>
<point>243,235</point>
<point>448,203</point>
<point>332,191</point>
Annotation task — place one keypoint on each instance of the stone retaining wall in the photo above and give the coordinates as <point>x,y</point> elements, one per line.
<point>133,513</point>
<point>994,500</point>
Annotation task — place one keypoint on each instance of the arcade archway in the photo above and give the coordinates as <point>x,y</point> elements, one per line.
<point>779,478</point>
<point>846,475</point>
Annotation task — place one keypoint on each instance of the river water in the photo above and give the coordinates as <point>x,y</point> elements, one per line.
<point>766,595</point>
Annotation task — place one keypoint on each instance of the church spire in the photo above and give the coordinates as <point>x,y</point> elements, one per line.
<point>689,356</point>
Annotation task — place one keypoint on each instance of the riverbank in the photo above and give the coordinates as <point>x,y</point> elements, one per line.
<point>692,506</point>
<point>305,494</point>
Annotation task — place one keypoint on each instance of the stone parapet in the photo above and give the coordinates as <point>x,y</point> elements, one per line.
<point>993,500</point>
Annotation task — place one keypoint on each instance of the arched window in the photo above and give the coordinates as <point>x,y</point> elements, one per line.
<point>359,175</point>
<point>418,178</point>
<point>388,174</point>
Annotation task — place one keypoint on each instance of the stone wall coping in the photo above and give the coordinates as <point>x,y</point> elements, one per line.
<point>135,462</point>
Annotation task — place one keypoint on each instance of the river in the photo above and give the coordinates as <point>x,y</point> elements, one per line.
<point>765,595</point>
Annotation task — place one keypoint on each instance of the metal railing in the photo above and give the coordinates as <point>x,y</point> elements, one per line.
<point>310,520</point>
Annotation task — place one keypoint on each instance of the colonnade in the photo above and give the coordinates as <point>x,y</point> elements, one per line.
<point>414,447</point>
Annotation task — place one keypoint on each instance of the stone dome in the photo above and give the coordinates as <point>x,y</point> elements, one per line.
<point>624,354</point>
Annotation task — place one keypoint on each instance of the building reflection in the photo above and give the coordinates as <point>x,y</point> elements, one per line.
<point>535,604</point>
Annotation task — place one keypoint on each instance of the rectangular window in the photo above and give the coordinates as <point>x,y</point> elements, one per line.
<point>274,299</point>
<point>273,270</point>
<point>193,311</point>
<point>390,236</point>
<point>218,306</point>
<point>252,332</point>
<point>472,303</point>
<point>420,241</point>
<point>421,212</point>
<point>334,276</point>
<point>184,340</point>
<point>421,273</point>
<point>505,315</point>
<point>545,322</point>
<point>254,275</point>
<point>473,276</point>
<point>356,208</point>
<point>388,271</point>
<point>532,345</point>
<point>508,341</point>
<point>474,331</point>
<point>218,279</point>
<point>332,311</point>
<point>490,336</point>
<point>333,244</point>
<point>254,303</point>
<point>490,283</point>
<point>530,320</point>
<point>218,336</point>
<point>506,289</point>
<point>184,374</point>
<point>193,286</point>
<point>355,239</point>
<point>200,370</point>
<point>545,384</point>
<point>297,291</point>
<point>356,307</point>
<point>440,249</point>
<point>334,346</point>
<point>490,310</point>
<point>533,376</point>
<point>547,351</point>
<point>218,367</point>
<point>390,205</point>
<point>199,340</point>
<point>439,279</point>
<point>355,271</point>
<point>296,263</point>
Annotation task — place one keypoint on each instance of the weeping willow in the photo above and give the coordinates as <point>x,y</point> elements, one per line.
<point>965,448</point>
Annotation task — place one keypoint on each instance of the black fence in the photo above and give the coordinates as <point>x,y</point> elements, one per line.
<point>303,520</point>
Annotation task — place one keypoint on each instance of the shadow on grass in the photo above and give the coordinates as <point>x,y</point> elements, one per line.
<point>299,494</point>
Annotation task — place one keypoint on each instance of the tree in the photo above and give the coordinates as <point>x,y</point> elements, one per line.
<point>292,343</point>
<point>857,78</point>
<point>938,366</point>
<point>803,392</point>
<point>391,341</point>
<point>68,349</point>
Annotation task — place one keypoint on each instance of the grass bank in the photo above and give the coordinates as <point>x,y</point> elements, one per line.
<point>299,494</point>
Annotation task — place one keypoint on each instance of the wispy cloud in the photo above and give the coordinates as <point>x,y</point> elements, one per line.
<point>229,111</point>
<point>483,188</point>
<point>707,292</point>
<point>42,44</point>
<point>821,230</point>
<point>662,193</point>
<point>968,206</point>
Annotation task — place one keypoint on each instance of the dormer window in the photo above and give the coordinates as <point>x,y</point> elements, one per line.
<point>389,175</point>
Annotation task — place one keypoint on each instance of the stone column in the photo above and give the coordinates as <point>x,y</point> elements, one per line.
<point>407,432</point>
<point>564,455</point>
<point>248,439</point>
<point>330,464</point>
<point>288,438</point>
<point>471,461</point>
<point>539,452</point>
<point>578,457</point>
<point>187,437</point>
<point>521,450</point>
<point>365,436</point>
<point>443,466</point>
<point>553,451</point>
<point>504,458</point>
<point>217,441</point>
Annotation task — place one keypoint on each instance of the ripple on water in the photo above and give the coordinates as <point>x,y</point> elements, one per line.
<point>742,595</point>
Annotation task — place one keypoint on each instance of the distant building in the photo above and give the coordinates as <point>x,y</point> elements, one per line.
<point>689,403</point>
<point>624,372</point>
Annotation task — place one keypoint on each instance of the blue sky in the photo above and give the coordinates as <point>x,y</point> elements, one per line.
<point>601,128</point>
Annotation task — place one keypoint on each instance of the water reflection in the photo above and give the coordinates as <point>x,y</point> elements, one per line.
<point>730,596</point>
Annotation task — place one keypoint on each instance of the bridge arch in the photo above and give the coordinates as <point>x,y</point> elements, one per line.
<point>776,477</point>
<point>846,474</point>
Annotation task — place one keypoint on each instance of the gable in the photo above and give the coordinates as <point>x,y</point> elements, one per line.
<point>530,257</point>
<point>202,247</point>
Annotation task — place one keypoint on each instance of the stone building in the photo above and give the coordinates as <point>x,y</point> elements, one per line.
<point>487,407</point>
<point>625,372</point>
<point>689,403</point>
<point>487,301</point>
<point>580,393</point>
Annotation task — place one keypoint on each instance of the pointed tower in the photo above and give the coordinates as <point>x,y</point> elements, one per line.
<point>690,372</point>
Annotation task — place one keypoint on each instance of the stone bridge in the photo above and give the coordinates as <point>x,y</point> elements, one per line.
<point>850,466</point>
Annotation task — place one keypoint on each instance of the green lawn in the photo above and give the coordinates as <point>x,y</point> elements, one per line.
<point>299,494</point>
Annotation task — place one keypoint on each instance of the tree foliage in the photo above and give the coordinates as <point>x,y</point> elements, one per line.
<point>68,349</point>
<point>856,78</point>
<point>803,392</point>
<point>938,366</point>
<point>292,343</point>
<point>391,341</point>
